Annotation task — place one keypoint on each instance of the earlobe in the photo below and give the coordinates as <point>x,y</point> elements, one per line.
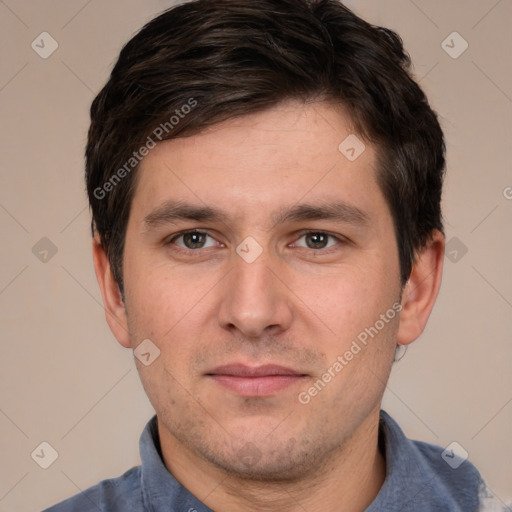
<point>115,311</point>
<point>421,290</point>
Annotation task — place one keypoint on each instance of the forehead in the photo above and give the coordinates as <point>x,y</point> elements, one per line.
<point>256,164</point>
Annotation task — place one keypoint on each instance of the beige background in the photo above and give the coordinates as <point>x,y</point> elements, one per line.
<point>65,380</point>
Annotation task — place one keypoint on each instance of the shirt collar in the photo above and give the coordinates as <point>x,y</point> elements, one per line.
<point>160,490</point>
<point>408,474</point>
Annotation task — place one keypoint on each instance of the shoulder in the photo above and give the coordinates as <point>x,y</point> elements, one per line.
<point>461,479</point>
<point>455,475</point>
<point>121,494</point>
<point>422,477</point>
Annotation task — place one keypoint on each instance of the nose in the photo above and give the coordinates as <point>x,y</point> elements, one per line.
<point>255,300</point>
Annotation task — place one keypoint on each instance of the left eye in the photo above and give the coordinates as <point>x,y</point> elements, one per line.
<point>317,240</point>
<point>193,240</point>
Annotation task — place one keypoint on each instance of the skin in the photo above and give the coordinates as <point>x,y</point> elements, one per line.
<point>300,304</point>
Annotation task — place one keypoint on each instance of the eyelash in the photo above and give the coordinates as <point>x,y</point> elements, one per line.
<point>301,234</point>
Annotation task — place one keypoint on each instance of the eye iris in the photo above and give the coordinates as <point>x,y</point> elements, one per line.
<point>194,240</point>
<point>316,240</point>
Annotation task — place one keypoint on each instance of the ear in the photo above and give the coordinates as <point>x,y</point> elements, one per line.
<point>420,291</point>
<point>115,311</point>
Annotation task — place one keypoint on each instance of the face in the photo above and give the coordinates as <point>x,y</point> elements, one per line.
<point>257,257</point>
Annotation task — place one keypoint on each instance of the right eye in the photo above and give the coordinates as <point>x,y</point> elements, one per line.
<point>192,240</point>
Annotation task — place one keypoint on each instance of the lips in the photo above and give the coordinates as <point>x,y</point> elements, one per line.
<point>239,370</point>
<point>255,381</point>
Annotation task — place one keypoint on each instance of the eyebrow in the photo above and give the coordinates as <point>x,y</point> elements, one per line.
<point>171,212</point>
<point>339,211</point>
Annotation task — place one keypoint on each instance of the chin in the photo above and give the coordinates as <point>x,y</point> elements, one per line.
<point>282,466</point>
<point>266,459</point>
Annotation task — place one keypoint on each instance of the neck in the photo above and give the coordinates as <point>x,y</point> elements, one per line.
<point>349,478</point>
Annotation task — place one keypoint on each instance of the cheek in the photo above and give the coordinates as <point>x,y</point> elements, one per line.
<point>158,294</point>
<point>347,302</point>
<point>170,306</point>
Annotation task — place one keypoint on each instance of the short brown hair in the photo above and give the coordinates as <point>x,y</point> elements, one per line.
<point>228,58</point>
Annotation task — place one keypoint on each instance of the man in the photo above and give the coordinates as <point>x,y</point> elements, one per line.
<point>265,182</point>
